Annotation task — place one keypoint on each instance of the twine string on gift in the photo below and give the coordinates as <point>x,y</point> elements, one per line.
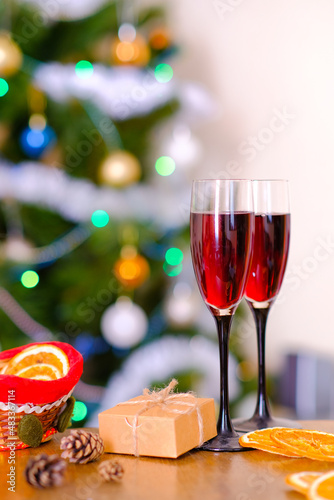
<point>163,399</point>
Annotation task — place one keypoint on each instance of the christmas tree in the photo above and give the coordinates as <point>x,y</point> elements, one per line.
<point>95,197</point>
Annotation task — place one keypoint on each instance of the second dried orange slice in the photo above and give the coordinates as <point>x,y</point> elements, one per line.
<point>262,440</point>
<point>305,443</point>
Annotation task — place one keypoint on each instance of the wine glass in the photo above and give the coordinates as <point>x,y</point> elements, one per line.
<point>270,254</point>
<point>221,232</point>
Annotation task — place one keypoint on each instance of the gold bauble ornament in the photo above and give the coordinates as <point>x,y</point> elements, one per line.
<point>119,169</point>
<point>136,52</point>
<point>10,55</point>
<point>131,269</point>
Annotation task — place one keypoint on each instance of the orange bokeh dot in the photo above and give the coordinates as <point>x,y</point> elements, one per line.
<point>132,272</point>
<point>159,39</point>
<point>129,270</point>
<point>136,52</point>
<point>125,51</point>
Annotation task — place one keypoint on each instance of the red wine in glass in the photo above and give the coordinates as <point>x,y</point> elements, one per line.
<point>270,254</point>
<point>220,247</point>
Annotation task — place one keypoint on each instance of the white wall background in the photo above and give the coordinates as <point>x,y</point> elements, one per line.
<point>259,58</point>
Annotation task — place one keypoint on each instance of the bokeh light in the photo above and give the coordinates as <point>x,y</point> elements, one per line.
<point>100,218</point>
<point>29,279</point>
<point>79,412</point>
<point>172,270</point>
<point>127,32</point>
<point>125,51</point>
<point>35,138</point>
<point>37,121</point>
<point>132,271</point>
<point>129,270</point>
<point>84,69</point>
<point>4,87</point>
<point>165,165</point>
<point>174,256</point>
<point>163,73</point>
<point>34,141</point>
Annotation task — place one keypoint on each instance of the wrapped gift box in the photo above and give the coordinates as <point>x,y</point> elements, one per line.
<point>161,431</point>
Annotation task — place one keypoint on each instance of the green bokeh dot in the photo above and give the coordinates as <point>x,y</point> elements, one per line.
<point>163,73</point>
<point>100,218</point>
<point>29,279</point>
<point>4,87</point>
<point>174,256</point>
<point>165,165</point>
<point>172,270</point>
<point>84,69</point>
<point>79,412</point>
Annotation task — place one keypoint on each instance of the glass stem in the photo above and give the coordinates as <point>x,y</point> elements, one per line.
<point>224,424</point>
<point>262,409</point>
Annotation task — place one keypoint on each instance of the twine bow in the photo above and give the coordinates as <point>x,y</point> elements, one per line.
<point>163,399</point>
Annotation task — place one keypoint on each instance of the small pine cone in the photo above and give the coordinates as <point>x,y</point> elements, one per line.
<point>81,446</point>
<point>44,471</point>
<point>111,471</point>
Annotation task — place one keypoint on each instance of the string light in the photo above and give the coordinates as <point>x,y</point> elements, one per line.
<point>62,246</point>
<point>29,279</point>
<point>84,69</point>
<point>79,412</point>
<point>165,165</point>
<point>100,218</point>
<point>21,318</point>
<point>4,87</point>
<point>163,73</point>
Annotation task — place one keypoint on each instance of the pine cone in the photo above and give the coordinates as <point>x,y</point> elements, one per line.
<point>111,471</point>
<point>45,470</point>
<point>81,446</point>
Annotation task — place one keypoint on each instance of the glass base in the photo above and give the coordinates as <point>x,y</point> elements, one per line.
<point>255,423</point>
<point>224,443</point>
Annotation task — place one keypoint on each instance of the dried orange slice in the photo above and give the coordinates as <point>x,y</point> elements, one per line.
<point>41,362</point>
<point>322,488</point>
<point>302,481</point>
<point>306,443</point>
<point>261,440</point>
<point>40,370</point>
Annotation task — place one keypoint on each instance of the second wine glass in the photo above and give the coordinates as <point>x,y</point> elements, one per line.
<point>270,254</point>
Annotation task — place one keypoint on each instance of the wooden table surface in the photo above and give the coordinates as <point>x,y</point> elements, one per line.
<point>197,475</point>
